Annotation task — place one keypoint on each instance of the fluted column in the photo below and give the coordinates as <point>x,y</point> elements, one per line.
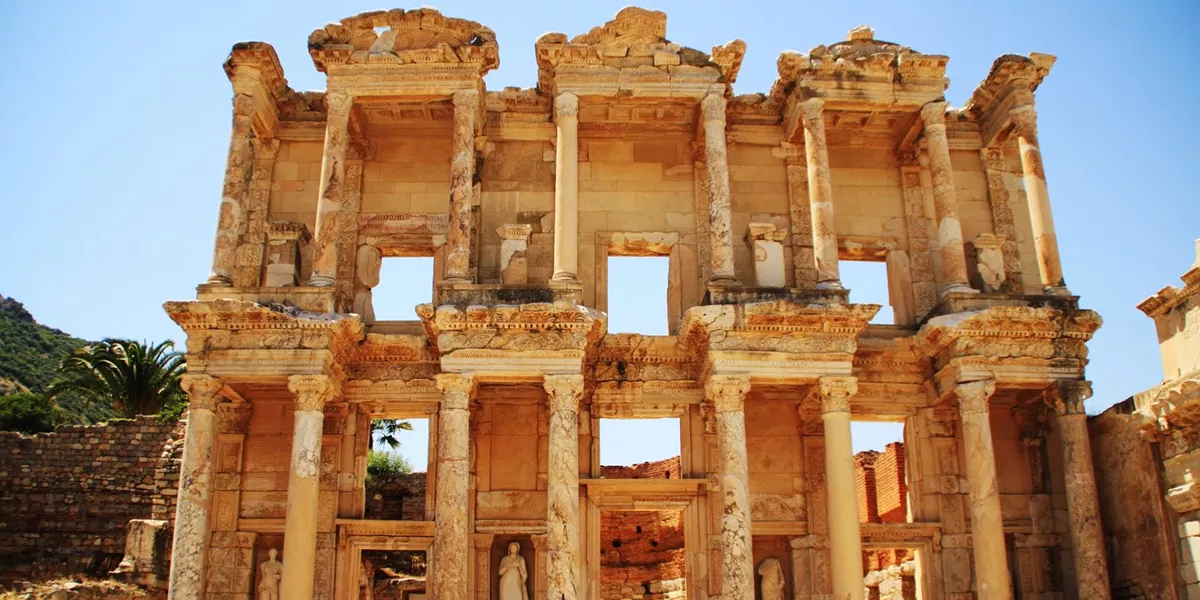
<point>566,188</point>
<point>820,194</point>
<point>451,543</point>
<point>728,395</point>
<point>330,188</point>
<point>945,200</point>
<point>1083,505</point>
<point>1045,240</point>
<point>300,527</point>
<point>845,539</point>
<point>462,187</point>
<point>562,487</point>
<point>992,578</point>
<point>190,543</point>
<point>720,211</point>
<point>231,220</point>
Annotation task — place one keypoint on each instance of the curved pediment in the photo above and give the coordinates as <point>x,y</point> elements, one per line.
<point>421,36</point>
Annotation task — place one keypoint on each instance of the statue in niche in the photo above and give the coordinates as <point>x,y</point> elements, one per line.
<point>269,573</point>
<point>772,579</point>
<point>513,574</point>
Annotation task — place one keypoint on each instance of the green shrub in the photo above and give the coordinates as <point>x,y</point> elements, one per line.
<point>383,464</point>
<point>29,413</point>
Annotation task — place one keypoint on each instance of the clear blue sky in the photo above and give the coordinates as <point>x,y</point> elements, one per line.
<point>115,120</point>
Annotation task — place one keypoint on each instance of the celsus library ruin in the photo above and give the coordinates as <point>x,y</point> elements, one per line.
<point>629,145</point>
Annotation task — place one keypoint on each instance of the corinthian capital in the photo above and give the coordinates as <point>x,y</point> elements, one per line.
<point>202,391</point>
<point>566,104</point>
<point>1024,120</point>
<point>934,113</point>
<point>1067,397</point>
<point>563,391</point>
<point>311,391</point>
<point>973,396</point>
<point>466,100</point>
<point>727,392</point>
<point>812,111</point>
<point>457,389</point>
<point>836,393</point>
<point>338,103</point>
<point>713,107</point>
<point>265,148</point>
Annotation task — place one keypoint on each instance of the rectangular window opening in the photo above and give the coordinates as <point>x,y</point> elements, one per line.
<point>393,574</point>
<point>642,555</point>
<point>640,448</point>
<point>868,284</point>
<point>880,471</point>
<point>397,462</point>
<point>637,294</point>
<point>404,282</point>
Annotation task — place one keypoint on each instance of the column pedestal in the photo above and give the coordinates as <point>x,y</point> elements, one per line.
<point>945,201</point>
<point>195,488</point>
<point>820,195</point>
<point>566,188</point>
<point>728,395</point>
<point>562,488</point>
<point>451,543</point>
<point>845,538</point>
<point>329,192</point>
<point>300,526</point>
<point>992,578</point>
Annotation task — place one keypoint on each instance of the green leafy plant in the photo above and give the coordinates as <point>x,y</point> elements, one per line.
<point>384,464</point>
<point>135,378</point>
<point>29,413</point>
<point>386,429</point>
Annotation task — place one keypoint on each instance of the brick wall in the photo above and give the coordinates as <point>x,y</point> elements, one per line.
<point>891,492</point>
<point>641,553</point>
<point>864,486</point>
<point>66,497</point>
<point>398,497</point>
<point>662,469</point>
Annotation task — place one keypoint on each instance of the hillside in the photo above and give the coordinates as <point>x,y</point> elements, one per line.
<point>29,355</point>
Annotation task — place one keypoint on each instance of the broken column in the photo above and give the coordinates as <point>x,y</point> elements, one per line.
<point>195,489</point>
<point>989,254</point>
<point>1083,505</point>
<point>284,242</point>
<point>462,187</point>
<point>451,546</point>
<point>300,527</point>
<point>368,260</point>
<point>728,395</point>
<point>562,487</point>
<point>945,200</point>
<point>1045,240</point>
<point>514,248</point>
<point>766,244</point>
<point>566,188</point>
<point>720,212</point>
<point>329,192</point>
<point>820,194</point>
<point>845,540</point>
<point>992,578</point>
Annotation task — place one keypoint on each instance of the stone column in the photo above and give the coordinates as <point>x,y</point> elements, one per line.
<point>804,263</point>
<point>728,394</point>
<point>451,546</point>
<point>945,200</point>
<point>845,539</point>
<point>195,489</point>
<point>329,194</point>
<point>462,187</point>
<point>566,188</point>
<point>992,578</point>
<point>1083,507</point>
<point>235,192</point>
<point>820,195</point>
<point>1045,240</point>
<point>247,271</point>
<point>720,212</point>
<point>300,527</point>
<point>562,487</point>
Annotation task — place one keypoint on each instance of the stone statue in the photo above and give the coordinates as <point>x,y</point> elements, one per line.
<point>513,574</point>
<point>269,573</point>
<point>772,579</point>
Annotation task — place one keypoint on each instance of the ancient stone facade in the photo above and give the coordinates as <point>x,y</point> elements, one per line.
<point>632,145</point>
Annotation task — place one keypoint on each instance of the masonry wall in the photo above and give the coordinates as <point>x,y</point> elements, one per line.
<point>891,490</point>
<point>66,497</point>
<point>399,497</point>
<point>642,553</point>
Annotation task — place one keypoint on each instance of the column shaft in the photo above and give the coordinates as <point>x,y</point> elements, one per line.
<point>462,187</point>
<point>566,188</point>
<point>992,578</point>
<point>562,488</point>
<point>330,188</point>
<point>1083,505</point>
<point>300,526</point>
<point>728,394</point>
<point>820,194</point>
<point>451,546</point>
<point>845,538</point>
<point>190,543</point>
<point>720,212</point>
<point>945,200</point>
<point>1045,240</point>
<point>231,219</point>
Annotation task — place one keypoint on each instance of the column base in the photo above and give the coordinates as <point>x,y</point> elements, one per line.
<point>833,284</point>
<point>320,281</point>
<point>958,288</point>
<point>565,277</point>
<point>1056,290</point>
<point>216,280</point>
<point>454,280</point>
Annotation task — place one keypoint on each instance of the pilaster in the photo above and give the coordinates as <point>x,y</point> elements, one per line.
<point>247,270</point>
<point>728,395</point>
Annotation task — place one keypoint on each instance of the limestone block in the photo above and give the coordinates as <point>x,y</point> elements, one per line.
<point>989,253</point>
<point>147,550</point>
<point>285,241</point>
<point>514,248</point>
<point>766,242</point>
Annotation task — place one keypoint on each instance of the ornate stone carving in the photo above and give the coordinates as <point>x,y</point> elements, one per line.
<point>727,392</point>
<point>457,389</point>
<point>270,572</point>
<point>566,104</point>
<point>311,391</point>
<point>836,393</point>
<point>973,396</point>
<point>202,391</point>
<point>773,583</point>
<point>1066,397</point>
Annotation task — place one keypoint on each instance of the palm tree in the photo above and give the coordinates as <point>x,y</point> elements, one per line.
<point>135,378</point>
<point>387,428</point>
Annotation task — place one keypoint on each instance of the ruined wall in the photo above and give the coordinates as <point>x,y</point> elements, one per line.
<point>864,486</point>
<point>66,497</point>
<point>659,469</point>
<point>642,553</point>
<point>399,497</point>
<point>880,486</point>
